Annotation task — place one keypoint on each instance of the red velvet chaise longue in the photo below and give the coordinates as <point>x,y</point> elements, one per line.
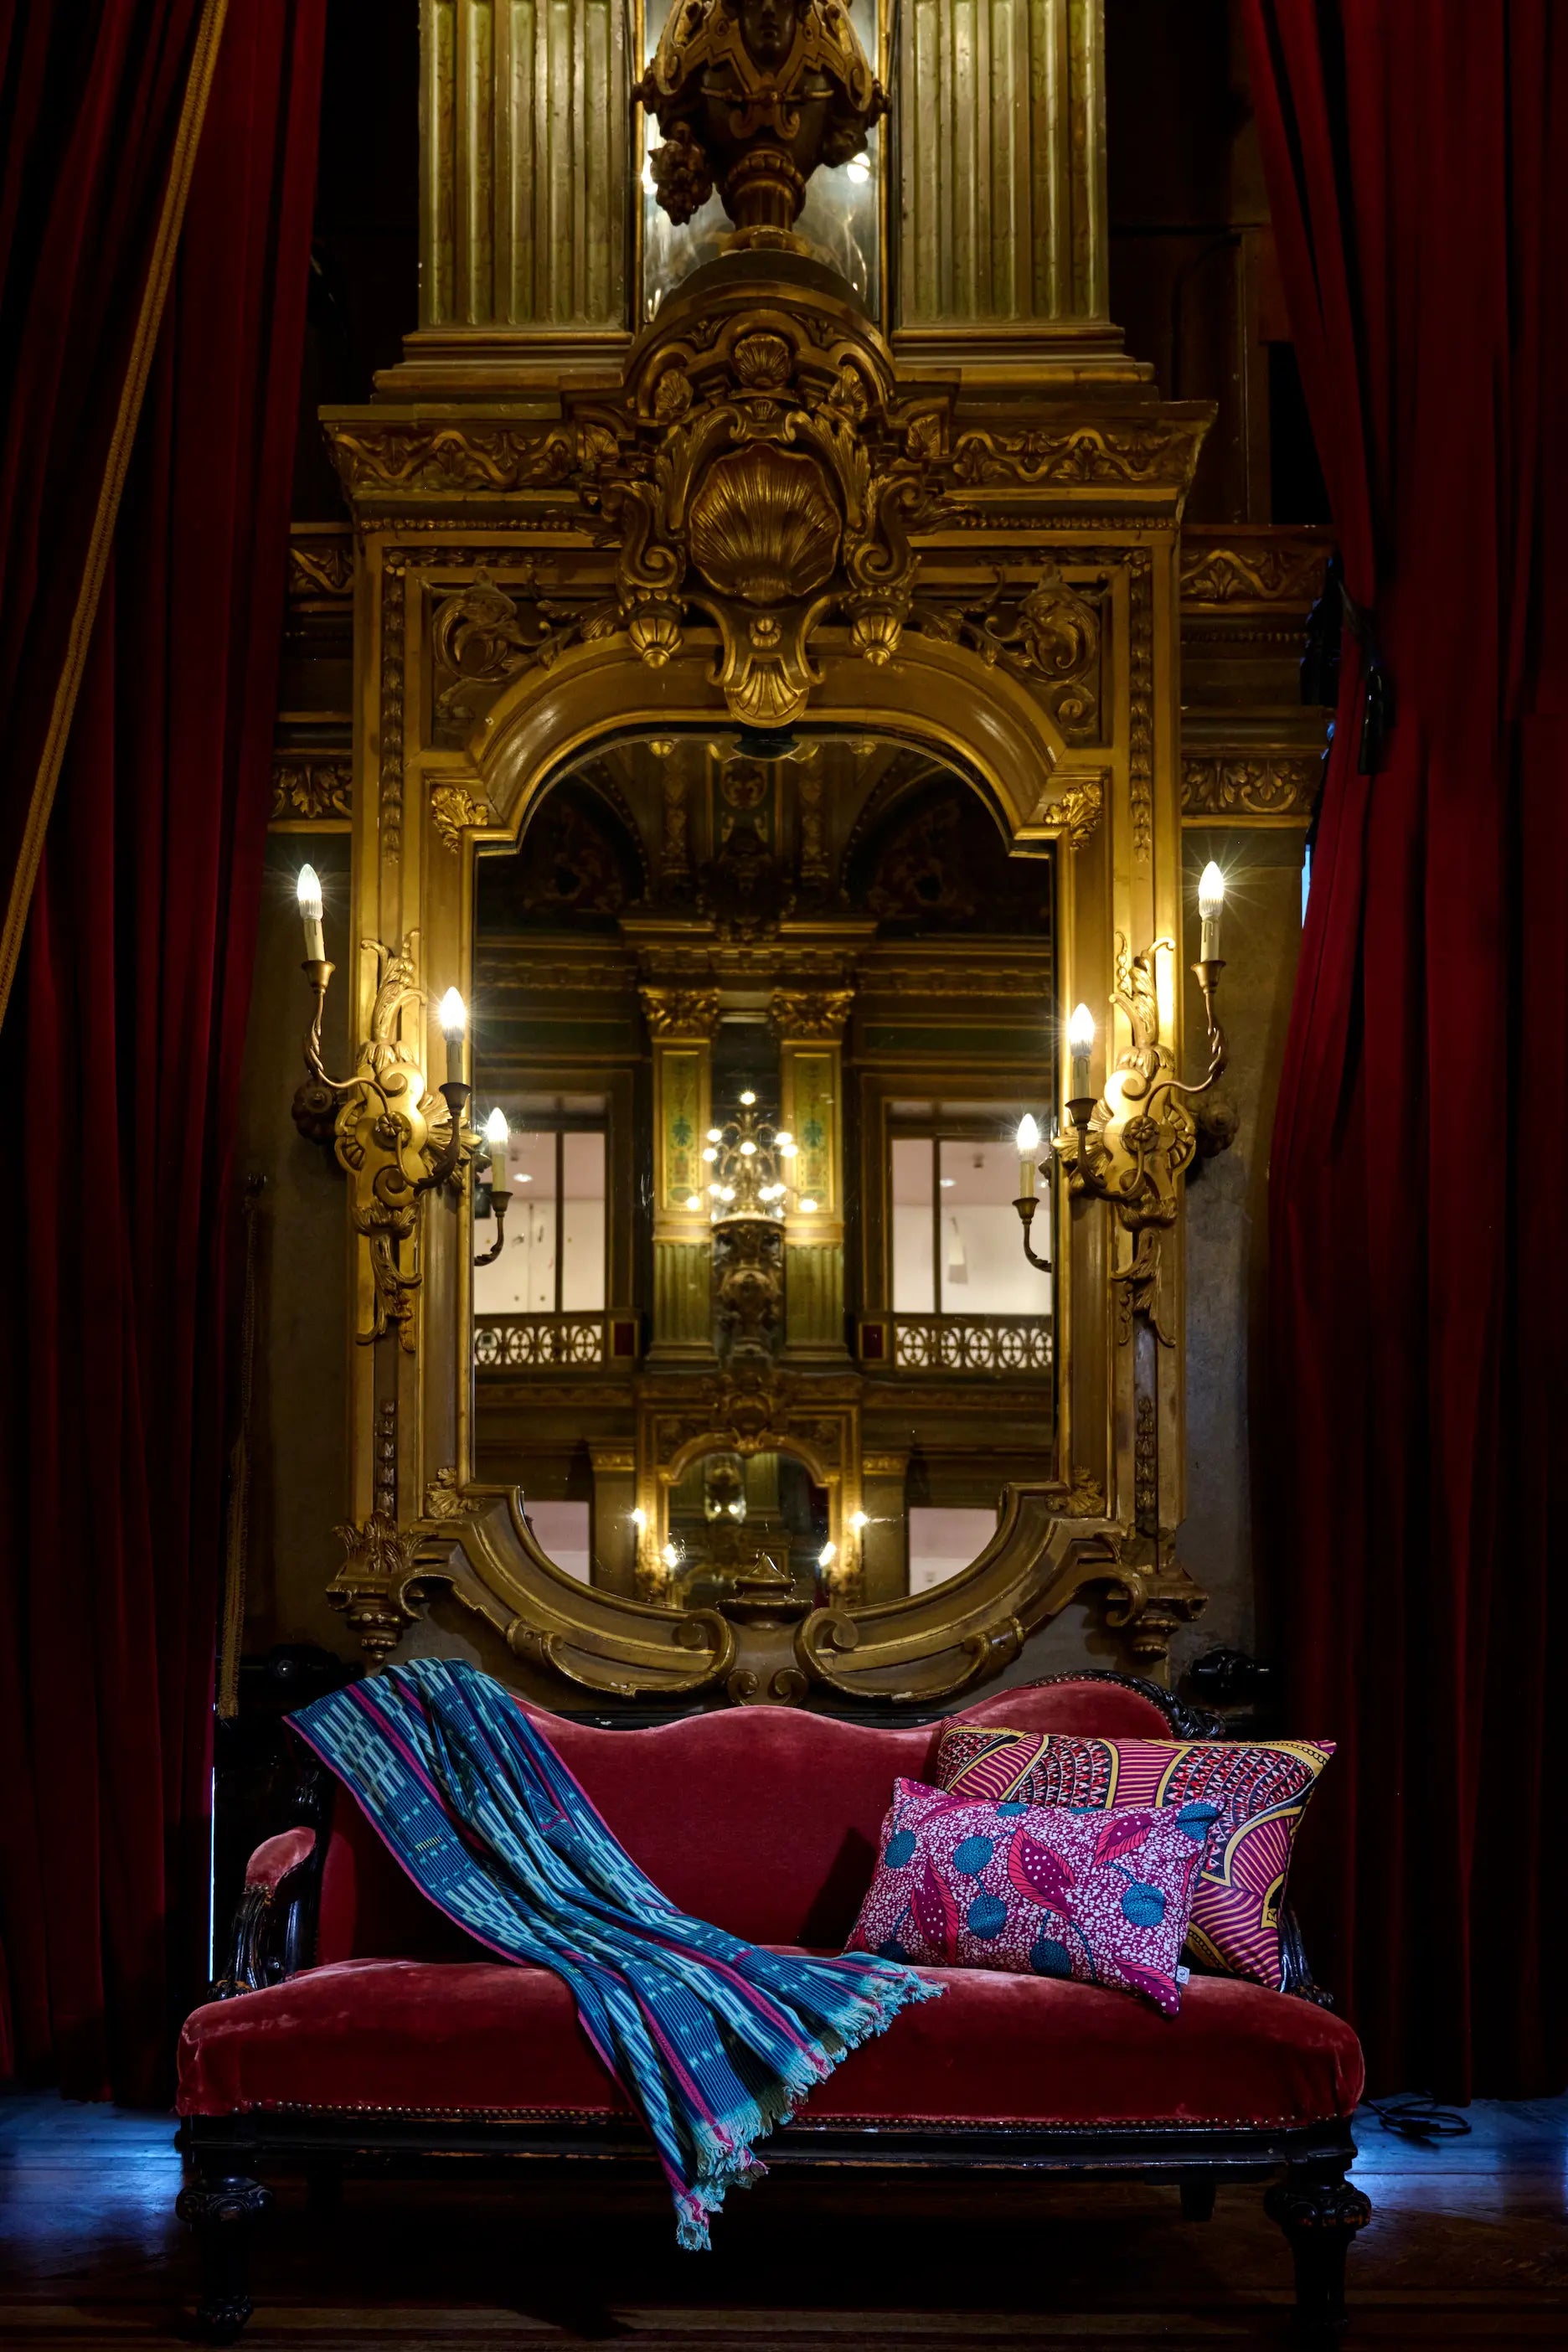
<point>357,2030</point>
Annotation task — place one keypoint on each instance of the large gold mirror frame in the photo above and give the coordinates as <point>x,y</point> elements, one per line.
<point>530,584</point>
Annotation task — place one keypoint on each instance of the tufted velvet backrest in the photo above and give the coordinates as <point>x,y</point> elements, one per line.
<point>763,1819</point>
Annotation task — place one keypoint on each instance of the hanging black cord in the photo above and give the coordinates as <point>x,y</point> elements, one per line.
<point>1418,2117</point>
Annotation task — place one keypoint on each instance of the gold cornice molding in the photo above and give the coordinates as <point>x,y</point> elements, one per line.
<point>1260,567</point>
<point>398,454</point>
<point>321,563</point>
<point>1260,787</point>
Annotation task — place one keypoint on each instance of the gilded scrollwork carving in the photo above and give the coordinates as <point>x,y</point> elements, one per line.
<point>473,455</point>
<point>312,789</point>
<point>378,1586</point>
<point>1262,784</point>
<point>443,1495</point>
<point>1273,570</point>
<point>1078,454</point>
<point>1046,632</point>
<point>1084,1497</point>
<point>773,485</point>
<point>1154,1596</point>
<point>319,565</point>
<point>483,634</point>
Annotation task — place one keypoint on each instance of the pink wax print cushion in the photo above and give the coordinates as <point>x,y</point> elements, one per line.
<point>1246,1801</point>
<point>1033,1888</point>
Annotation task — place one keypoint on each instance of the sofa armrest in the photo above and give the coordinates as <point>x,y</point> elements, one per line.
<point>273,1933</point>
<point>1296,1971</point>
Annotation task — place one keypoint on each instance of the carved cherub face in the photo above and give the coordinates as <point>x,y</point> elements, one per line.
<point>767,28</point>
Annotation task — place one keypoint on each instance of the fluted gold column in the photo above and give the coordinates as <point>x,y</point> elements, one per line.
<point>999,202</point>
<point>527,174</point>
<point>809,1025</point>
<point>682,1023</point>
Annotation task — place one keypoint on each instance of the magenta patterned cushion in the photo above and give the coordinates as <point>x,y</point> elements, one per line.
<point>1021,1888</point>
<point>1251,1798</point>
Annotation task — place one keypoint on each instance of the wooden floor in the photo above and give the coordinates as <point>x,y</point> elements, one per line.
<point>1468,2245</point>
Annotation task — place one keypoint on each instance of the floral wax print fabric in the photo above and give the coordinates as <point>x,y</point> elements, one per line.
<point>1249,1797</point>
<point>1022,1888</point>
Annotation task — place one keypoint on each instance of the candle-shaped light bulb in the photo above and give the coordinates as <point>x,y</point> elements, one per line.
<point>310,889</point>
<point>1028,1145</point>
<point>827,1555</point>
<point>498,1135</point>
<point>1211,906</point>
<point>453,1016</point>
<point>1080,1045</point>
<point>858,1520</point>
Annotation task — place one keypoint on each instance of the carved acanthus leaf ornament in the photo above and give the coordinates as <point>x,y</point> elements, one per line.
<point>312,788</point>
<point>1078,810</point>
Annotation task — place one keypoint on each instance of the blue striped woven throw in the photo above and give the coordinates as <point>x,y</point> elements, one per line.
<point>714,2040</point>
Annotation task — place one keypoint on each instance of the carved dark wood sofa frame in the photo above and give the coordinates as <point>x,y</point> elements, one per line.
<point>274,1937</point>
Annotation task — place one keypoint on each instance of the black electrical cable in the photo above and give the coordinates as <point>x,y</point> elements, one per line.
<point>1418,2117</point>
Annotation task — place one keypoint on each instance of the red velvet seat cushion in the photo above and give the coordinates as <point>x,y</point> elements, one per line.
<point>431,2037</point>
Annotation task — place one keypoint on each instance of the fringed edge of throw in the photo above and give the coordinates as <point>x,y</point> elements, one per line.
<point>725,2151</point>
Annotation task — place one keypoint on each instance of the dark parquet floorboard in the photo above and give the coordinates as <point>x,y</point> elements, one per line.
<point>1468,2246</point>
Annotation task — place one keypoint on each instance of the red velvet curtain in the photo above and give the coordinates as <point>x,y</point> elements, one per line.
<point>1415,153</point>
<point>91,100</point>
<point>122,1059</point>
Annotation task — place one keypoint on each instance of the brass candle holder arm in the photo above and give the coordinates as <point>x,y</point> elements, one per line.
<point>1206,972</point>
<point>1025,1204</point>
<point>501,1201</point>
<point>455,1095</point>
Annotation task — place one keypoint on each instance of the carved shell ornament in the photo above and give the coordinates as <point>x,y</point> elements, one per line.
<point>771,482</point>
<point>764,527</point>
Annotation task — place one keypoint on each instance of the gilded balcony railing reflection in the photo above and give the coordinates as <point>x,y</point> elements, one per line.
<point>960,1343</point>
<point>504,1343</point>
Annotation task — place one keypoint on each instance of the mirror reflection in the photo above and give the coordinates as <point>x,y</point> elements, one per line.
<point>755,1023</point>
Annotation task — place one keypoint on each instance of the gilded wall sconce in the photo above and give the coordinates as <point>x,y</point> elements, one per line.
<point>1131,1145</point>
<point>392,1138</point>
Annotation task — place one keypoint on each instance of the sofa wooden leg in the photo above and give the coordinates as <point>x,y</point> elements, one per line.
<point>222,2207</point>
<point>1198,2196</point>
<point>1320,2213</point>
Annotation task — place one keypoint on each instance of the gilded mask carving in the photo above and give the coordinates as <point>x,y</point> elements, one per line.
<point>751,96</point>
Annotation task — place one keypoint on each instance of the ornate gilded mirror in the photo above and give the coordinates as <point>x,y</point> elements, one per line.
<point>767,733</point>
<point>762,1015</point>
